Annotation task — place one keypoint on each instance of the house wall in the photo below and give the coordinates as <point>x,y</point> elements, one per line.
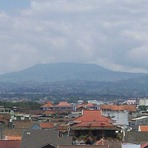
<point>130,146</point>
<point>120,117</point>
<point>143,102</point>
<point>129,102</point>
<point>4,110</point>
<point>20,117</point>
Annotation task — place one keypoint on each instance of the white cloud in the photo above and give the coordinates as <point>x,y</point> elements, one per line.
<point>110,33</point>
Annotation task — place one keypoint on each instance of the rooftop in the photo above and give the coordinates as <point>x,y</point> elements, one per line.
<point>93,119</point>
<point>92,115</point>
<point>143,128</point>
<point>63,104</point>
<point>13,137</point>
<point>131,108</point>
<point>46,125</point>
<point>48,104</point>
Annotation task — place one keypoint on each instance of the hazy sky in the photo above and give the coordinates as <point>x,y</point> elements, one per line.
<point>110,33</point>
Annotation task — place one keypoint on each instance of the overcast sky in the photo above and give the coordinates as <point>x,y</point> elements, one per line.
<point>110,33</point>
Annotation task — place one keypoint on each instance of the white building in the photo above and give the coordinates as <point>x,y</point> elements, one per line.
<point>143,102</point>
<point>131,101</point>
<point>130,145</point>
<point>95,102</point>
<point>21,117</point>
<point>119,117</point>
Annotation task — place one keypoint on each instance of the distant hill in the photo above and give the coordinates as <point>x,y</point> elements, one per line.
<point>47,73</point>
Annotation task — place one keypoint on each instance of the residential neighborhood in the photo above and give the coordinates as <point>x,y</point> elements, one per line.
<point>83,124</point>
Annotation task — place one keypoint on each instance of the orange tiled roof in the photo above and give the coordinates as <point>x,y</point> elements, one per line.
<point>13,137</point>
<point>92,115</point>
<point>46,125</point>
<point>93,118</point>
<point>63,104</point>
<point>49,104</point>
<point>119,107</point>
<point>143,128</point>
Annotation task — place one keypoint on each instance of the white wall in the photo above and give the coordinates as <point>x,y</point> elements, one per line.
<point>143,102</point>
<point>120,117</point>
<point>128,145</point>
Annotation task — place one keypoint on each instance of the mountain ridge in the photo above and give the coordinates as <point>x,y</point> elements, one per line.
<point>54,72</point>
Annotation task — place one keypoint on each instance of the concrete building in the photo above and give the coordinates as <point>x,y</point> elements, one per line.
<point>131,101</point>
<point>118,113</point>
<point>143,102</point>
<point>119,117</point>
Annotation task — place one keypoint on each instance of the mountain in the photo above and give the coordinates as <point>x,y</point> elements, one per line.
<point>47,73</point>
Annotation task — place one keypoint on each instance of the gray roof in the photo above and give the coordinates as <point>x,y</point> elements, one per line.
<point>39,138</point>
<point>136,137</point>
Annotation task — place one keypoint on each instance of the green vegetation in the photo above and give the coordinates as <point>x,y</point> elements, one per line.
<point>22,105</point>
<point>143,108</point>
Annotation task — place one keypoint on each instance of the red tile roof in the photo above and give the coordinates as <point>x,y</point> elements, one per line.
<point>131,108</point>
<point>48,104</point>
<point>93,118</point>
<point>46,125</point>
<point>92,115</point>
<point>13,137</point>
<point>63,104</point>
<point>143,128</point>
<point>10,143</point>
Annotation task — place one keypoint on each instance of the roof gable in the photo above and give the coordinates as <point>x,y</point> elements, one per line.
<point>92,115</point>
<point>64,104</point>
<point>48,104</point>
<point>92,118</point>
